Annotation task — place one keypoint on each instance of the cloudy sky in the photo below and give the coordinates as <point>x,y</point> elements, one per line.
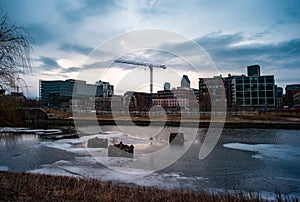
<point>234,34</point>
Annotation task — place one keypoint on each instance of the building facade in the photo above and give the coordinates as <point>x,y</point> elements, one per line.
<point>58,93</point>
<point>290,90</point>
<point>296,99</point>
<point>279,97</point>
<point>255,92</point>
<point>175,99</point>
<point>104,89</point>
<point>172,103</point>
<point>212,92</point>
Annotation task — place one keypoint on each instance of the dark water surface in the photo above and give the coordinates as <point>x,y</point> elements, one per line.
<point>21,152</point>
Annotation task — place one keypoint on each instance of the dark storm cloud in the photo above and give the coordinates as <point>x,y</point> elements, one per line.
<point>214,41</point>
<point>40,34</point>
<point>87,8</point>
<point>97,65</point>
<point>48,63</point>
<point>227,54</point>
<point>230,52</point>
<point>75,48</point>
<point>69,70</point>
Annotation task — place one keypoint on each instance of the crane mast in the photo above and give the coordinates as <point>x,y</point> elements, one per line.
<point>150,65</point>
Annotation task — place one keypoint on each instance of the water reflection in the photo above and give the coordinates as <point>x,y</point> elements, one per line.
<point>21,152</point>
<point>14,139</point>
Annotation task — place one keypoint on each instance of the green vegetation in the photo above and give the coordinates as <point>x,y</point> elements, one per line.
<point>37,187</point>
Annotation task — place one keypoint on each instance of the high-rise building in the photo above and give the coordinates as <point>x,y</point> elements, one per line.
<point>211,90</point>
<point>253,92</point>
<point>279,96</point>
<point>253,70</point>
<point>167,86</point>
<point>185,82</point>
<point>290,90</point>
<point>242,92</point>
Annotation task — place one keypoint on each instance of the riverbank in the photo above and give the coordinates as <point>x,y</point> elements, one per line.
<point>229,123</point>
<point>37,187</point>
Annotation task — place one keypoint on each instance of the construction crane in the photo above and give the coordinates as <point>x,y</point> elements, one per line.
<point>144,64</point>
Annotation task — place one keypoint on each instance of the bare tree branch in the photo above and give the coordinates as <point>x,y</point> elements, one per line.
<point>15,50</point>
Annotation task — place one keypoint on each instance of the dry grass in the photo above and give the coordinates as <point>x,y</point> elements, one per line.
<point>269,117</point>
<point>58,113</point>
<point>36,187</point>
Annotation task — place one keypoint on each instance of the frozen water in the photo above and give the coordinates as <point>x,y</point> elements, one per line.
<point>284,152</point>
<point>87,167</point>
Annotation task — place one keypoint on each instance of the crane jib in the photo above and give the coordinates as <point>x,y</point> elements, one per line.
<point>144,64</point>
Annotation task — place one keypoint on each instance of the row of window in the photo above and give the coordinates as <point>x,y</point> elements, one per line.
<point>260,79</point>
<point>171,102</point>
<point>255,101</point>
<point>255,94</point>
<point>254,87</point>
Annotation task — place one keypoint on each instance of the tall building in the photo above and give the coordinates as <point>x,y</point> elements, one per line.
<point>290,90</point>
<point>167,86</point>
<point>253,70</point>
<point>242,92</point>
<point>185,82</point>
<point>279,96</point>
<point>296,100</point>
<point>137,101</point>
<point>104,89</point>
<point>58,93</point>
<point>253,92</point>
<point>211,90</point>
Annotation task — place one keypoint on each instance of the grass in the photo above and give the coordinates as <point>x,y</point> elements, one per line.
<point>268,116</point>
<point>37,187</point>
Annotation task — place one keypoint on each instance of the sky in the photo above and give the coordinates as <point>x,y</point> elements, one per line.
<point>233,34</point>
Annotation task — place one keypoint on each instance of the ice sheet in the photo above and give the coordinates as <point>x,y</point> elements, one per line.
<point>88,167</point>
<point>268,150</point>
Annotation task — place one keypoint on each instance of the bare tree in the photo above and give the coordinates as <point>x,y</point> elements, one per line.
<point>15,49</point>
